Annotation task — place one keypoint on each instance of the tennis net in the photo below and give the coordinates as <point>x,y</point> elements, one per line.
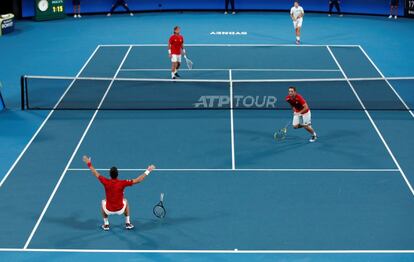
<point>83,93</point>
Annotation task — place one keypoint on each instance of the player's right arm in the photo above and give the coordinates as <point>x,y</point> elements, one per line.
<point>169,47</point>
<point>291,14</point>
<point>141,178</point>
<point>287,101</point>
<point>87,161</point>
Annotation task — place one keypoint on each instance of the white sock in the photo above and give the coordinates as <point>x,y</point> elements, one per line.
<point>106,221</point>
<point>314,133</point>
<point>127,220</point>
<point>172,74</point>
<point>297,38</point>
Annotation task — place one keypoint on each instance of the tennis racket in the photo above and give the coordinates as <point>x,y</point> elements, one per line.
<point>188,62</point>
<point>280,134</point>
<point>159,210</point>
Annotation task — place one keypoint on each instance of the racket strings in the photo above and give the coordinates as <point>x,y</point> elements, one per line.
<point>281,134</point>
<point>189,63</point>
<point>159,211</point>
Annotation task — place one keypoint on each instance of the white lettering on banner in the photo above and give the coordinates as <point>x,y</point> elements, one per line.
<point>239,102</point>
<point>234,33</point>
<point>7,24</point>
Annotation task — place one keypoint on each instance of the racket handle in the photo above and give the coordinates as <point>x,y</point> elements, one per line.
<point>162,197</point>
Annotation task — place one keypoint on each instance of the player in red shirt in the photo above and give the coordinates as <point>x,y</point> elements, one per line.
<point>301,112</point>
<point>115,203</point>
<point>175,49</point>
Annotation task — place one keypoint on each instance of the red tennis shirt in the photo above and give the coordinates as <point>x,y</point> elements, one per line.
<point>176,42</point>
<point>297,102</point>
<point>114,191</point>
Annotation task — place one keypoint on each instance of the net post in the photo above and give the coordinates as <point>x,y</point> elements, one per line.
<point>2,104</point>
<point>22,91</point>
<point>26,92</point>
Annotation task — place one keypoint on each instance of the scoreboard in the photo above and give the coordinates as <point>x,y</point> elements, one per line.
<point>49,9</point>
<point>409,8</point>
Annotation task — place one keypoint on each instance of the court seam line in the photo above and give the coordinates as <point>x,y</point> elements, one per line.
<point>374,125</point>
<point>388,83</point>
<point>236,69</point>
<point>230,45</point>
<point>229,251</point>
<point>250,170</point>
<point>233,155</point>
<point>222,80</point>
<point>73,155</point>
<point>45,120</point>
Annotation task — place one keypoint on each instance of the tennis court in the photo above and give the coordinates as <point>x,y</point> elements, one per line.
<point>227,184</point>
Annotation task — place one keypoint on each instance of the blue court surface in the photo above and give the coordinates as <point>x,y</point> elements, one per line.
<point>231,191</point>
<point>228,185</point>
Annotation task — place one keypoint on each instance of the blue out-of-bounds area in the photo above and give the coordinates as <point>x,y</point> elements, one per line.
<point>347,197</point>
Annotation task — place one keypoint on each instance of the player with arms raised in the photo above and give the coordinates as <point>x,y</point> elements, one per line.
<point>297,13</point>
<point>175,49</point>
<point>301,112</point>
<point>115,203</point>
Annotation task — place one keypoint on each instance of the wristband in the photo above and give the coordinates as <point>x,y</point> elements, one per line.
<point>89,164</point>
<point>147,172</point>
<point>169,51</point>
<point>183,51</point>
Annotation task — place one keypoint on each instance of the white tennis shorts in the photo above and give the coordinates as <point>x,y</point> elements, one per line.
<point>119,212</point>
<point>298,23</point>
<point>304,119</point>
<point>176,58</point>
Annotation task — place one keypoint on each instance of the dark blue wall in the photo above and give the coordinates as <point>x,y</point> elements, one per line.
<point>349,6</point>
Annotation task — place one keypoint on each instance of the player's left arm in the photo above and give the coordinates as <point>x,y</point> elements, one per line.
<point>141,178</point>
<point>87,161</point>
<point>304,109</point>
<point>183,49</point>
<point>302,14</point>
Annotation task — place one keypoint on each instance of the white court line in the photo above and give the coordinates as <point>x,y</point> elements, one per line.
<point>236,69</point>
<point>374,125</point>
<point>233,157</point>
<point>258,45</point>
<point>73,155</point>
<point>46,119</point>
<point>250,169</point>
<point>389,84</point>
<point>399,78</point>
<point>211,251</point>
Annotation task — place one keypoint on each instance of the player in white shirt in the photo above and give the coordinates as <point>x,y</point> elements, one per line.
<point>297,13</point>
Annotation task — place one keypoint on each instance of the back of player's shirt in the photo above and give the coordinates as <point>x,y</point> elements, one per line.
<point>114,191</point>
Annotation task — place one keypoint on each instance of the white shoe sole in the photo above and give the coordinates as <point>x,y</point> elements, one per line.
<point>313,140</point>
